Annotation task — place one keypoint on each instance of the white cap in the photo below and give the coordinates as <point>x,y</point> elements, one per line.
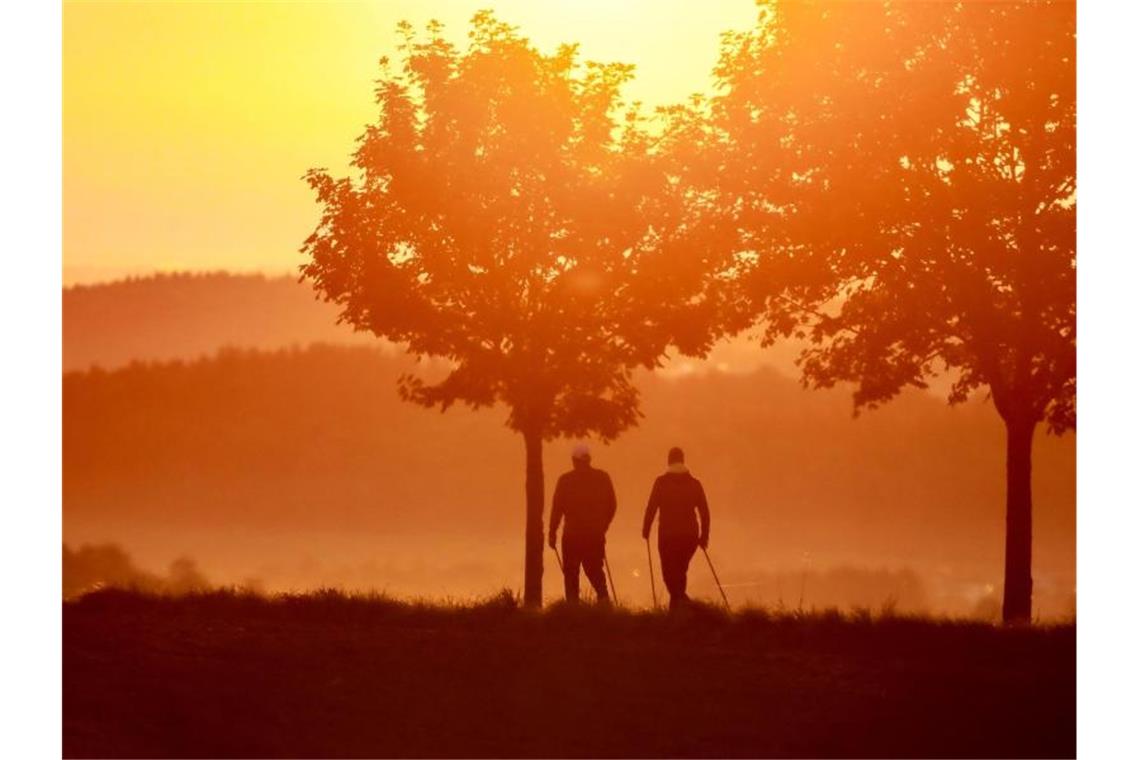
<point>580,451</point>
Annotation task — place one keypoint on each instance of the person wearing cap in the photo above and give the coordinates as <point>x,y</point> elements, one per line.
<point>584,496</point>
<point>680,499</point>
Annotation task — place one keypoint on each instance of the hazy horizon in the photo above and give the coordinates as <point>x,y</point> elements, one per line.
<point>916,487</point>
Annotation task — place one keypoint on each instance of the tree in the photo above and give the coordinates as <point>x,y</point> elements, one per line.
<point>508,216</point>
<point>901,179</point>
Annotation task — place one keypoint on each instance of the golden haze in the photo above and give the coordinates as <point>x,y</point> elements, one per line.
<point>175,113</point>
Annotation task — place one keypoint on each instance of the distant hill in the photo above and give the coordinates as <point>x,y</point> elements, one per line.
<point>303,466</point>
<point>189,316</point>
<point>184,316</point>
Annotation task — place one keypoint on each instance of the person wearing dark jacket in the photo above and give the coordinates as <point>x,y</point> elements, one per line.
<point>585,497</point>
<point>680,499</point>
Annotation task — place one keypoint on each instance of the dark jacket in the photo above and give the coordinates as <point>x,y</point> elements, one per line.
<point>680,499</point>
<point>585,497</point>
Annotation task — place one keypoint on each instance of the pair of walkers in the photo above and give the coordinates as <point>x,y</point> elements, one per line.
<point>584,496</point>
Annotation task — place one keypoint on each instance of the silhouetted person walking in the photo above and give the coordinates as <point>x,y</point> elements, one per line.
<point>585,497</point>
<point>680,499</point>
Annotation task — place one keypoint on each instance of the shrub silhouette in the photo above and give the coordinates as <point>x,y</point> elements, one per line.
<point>98,566</point>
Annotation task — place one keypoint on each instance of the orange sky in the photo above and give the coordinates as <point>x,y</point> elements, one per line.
<point>187,126</point>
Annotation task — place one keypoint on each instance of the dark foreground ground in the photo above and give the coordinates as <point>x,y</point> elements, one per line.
<point>224,675</point>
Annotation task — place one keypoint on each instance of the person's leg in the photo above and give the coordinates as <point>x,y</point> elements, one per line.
<point>593,559</point>
<point>685,552</point>
<point>670,569</point>
<point>571,560</point>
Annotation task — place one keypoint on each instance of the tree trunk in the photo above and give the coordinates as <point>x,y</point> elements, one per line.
<point>1018,595</point>
<point>532,577</point>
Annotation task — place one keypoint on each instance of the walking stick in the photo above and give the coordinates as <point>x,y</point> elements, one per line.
<point>715,578</point>
<point>558,557</point>
<point>613,590</point>
<point>652,583</point>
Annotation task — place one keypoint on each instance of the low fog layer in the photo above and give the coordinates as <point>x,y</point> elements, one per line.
<point>301,468</point>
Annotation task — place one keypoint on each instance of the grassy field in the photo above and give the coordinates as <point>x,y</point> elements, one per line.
<point>326,675</point>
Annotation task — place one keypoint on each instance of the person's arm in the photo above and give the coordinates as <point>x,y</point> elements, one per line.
<point>610,501</point>
<point>650,512</point>
<point>703,513</point>
<point>557,508</point>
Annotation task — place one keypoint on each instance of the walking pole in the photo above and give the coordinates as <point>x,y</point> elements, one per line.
<point>609,575</point>
<point>558,557</point>
<point>715,578</point>
<point>652,583</point>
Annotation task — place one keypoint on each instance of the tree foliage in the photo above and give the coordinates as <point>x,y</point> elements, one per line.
<point>902,179</point>
<point>509,216</point>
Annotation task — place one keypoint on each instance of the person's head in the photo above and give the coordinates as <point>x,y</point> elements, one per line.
<point>580,455</point>
<point>676,456</point>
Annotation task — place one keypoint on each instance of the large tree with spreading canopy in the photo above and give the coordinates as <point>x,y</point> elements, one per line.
<point>899,179</point>
<point>509,215</point>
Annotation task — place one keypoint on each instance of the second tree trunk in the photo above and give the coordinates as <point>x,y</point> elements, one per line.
<point>1018,594</point>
